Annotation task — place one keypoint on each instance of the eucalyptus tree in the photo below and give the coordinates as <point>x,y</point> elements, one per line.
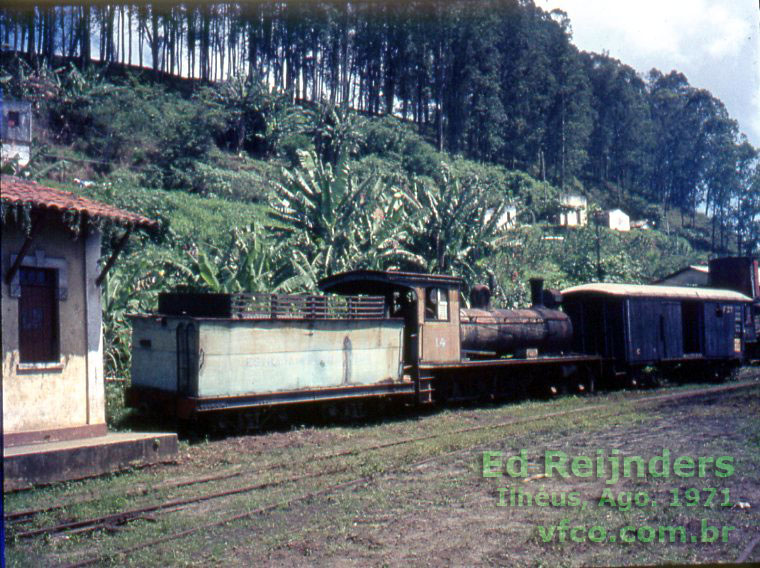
<point>747,199</point>
<point>621,142</point>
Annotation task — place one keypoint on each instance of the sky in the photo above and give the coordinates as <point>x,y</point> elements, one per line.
<point>714,43</point>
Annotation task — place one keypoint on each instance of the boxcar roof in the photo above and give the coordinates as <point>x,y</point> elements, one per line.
<point>639,291</point>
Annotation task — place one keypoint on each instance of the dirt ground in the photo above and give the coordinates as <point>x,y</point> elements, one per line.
<point>427,502</point>
<point>446,513</point>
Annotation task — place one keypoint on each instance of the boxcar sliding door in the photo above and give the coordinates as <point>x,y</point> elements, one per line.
<point>671,331</point>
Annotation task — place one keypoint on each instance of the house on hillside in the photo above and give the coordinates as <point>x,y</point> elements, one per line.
<point>574,211</point>
<point>694,275</point>
<point>507,219</point>
<point>616,220</point>
<point>52,345</point>
<point>15,131</point>
<point>642,224</point>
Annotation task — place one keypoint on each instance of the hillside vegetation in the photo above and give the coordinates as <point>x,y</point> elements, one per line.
<point>401,149</point>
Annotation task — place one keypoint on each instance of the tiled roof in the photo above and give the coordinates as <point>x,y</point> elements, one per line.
<point>16,190</point>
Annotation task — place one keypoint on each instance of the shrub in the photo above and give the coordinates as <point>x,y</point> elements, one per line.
<point>420,158</point>
<point>236,185</point>
<point>292,144</point>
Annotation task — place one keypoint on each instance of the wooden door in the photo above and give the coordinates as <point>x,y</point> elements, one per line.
<point>439,324</point>
<point>38,315</point>
<point>671,331</point>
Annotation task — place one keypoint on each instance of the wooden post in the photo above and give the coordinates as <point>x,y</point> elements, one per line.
<point>112,259</point>
<point>36,226</point>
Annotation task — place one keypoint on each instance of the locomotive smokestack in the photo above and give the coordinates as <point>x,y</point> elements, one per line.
<point>480,297</point>
<point>537,291</point>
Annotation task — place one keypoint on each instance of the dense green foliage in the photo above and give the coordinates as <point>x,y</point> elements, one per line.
<point>327,136</point>
<point>493,80</point>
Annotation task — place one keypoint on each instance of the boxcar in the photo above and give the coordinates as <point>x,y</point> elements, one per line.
<point>638,326</point>
<point>741,274</point>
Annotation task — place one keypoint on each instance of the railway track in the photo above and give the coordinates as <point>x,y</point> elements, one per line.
<point>25,516</point>
<point>110,522</point>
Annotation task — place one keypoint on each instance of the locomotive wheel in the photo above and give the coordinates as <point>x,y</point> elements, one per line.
<point>589,384</point>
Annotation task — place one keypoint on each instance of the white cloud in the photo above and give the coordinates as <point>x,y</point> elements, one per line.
<point>715,43</point>
<point>729,32</point>
<point>680,29</point>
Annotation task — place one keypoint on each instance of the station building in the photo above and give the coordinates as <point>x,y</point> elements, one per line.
<point>53,395</point>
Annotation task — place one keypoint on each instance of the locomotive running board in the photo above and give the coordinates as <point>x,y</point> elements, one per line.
<point>186,406</point>
<point>510,362</point>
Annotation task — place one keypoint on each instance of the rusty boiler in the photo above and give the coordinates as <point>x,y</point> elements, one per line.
<point>536,330</point>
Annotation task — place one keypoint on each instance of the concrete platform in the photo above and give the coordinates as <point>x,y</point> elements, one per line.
<point>40,464</point>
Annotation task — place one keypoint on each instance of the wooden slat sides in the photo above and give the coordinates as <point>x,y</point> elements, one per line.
<point>286,306</point>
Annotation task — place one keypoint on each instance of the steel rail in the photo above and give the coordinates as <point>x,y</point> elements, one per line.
<point>368,478</point>
<point>119,518</point>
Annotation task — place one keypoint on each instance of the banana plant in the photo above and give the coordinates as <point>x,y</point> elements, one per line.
<point>451,225</point>
<point>248,263</point>
<point>254,113</point>
<point>130,288</point>
<point>338,222</point>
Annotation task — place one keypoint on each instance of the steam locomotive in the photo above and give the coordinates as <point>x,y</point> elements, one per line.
<point>408,336</point>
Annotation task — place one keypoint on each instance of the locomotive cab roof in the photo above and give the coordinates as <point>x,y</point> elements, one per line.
<point>379,281</point>
<point>649,291</point>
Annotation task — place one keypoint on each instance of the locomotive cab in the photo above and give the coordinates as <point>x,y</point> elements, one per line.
<point>428,304</point>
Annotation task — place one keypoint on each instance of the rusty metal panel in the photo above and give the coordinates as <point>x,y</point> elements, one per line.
<point>300,306</point>
<point>507,331</point>
<point>154,352</point>
<point>270,306</point>
<point>242,357</point>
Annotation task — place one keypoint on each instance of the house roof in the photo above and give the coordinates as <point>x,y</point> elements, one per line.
<point>19,191</point>
<point>698,268</point>
<point>648,291</point>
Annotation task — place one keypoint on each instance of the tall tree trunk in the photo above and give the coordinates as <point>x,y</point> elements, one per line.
<point>122,34</point>
<point>253,37</point>
<point>191,37</point>
<point>64,42</point>
<point>30,33</point>
<point>153,38</point>
<point>344,56</point>
<point>141,19</point>
<point>439,80</point>
<point>205,42</point>
<point>84,35</point>
<point>129,28</point>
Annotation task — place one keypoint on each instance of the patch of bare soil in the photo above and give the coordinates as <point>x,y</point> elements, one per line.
<point>447,513</point>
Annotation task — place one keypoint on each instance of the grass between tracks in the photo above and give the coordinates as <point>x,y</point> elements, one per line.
<point>441,511</point>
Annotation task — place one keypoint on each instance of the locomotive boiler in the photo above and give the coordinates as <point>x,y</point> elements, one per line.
<point>487,332</point>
